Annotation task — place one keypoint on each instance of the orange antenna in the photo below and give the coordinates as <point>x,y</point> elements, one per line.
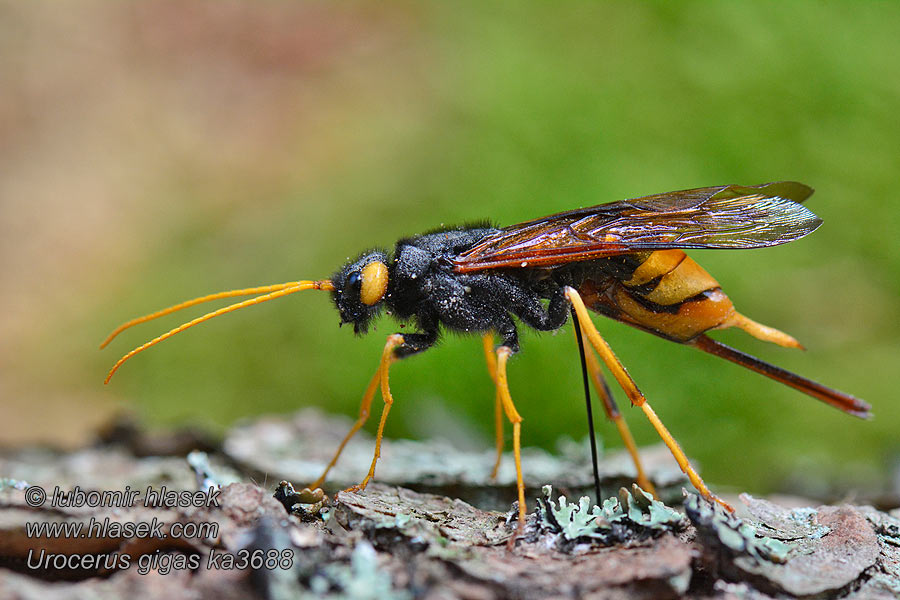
<point>167,311</point>
<point>275,291</point>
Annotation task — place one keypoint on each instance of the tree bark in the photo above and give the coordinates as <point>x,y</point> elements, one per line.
<point>409,534</point>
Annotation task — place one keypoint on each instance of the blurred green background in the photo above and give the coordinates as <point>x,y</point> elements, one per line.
<point>152,152</point>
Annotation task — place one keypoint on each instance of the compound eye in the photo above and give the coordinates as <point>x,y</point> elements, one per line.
<point>353,281</point>
<point>374,283</point>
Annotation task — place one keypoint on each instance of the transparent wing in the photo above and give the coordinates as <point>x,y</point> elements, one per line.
<point>715,217</point>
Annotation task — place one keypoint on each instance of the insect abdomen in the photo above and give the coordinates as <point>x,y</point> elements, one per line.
<point>672,295</point>
<point>666,293</point>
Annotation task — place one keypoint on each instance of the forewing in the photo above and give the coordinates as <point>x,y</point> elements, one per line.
<point>716,217</point>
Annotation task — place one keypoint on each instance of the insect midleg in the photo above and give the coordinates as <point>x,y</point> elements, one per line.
<point>637,398</point>
<point>503,354</point>
<point>612,411</point>
<point>487,341</point>
<point>387,357</point>
<point>364,407</point>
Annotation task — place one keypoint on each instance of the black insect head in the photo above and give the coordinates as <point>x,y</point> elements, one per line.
<point>347,288</point>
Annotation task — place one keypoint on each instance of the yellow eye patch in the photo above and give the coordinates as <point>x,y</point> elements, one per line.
<point>374,283</point>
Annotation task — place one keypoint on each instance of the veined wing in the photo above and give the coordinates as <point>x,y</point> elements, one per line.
<point>729,216</point>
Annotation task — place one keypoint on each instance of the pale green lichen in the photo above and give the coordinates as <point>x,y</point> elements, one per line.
<point>572,520</point>
<point>737,535</point>
<point>362,579</point>
<point>784,524</point>
<point>401,520</point>
<point>633,514</point>
<point>7,483</point>
<point>645,510</point>
<point>209,477</point>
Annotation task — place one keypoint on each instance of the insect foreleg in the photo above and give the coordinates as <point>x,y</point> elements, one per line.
<point>413,343</point>
<point>637,398</point>
<point>388,356</point>
<point>364,407</point>
<point>487,341</point>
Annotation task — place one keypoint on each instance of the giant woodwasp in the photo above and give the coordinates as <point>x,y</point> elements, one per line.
<point>624,260</point>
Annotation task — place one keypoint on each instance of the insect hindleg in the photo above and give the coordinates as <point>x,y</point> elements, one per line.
<point>612,411</point>
<point>387,357</point>
<point>503,354</point>
<point>488,342</point>
<point>364,407</point>
<point>637,398</point>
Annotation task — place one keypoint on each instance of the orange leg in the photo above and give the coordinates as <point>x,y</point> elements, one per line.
<point>488,341</point>
<point>612,411</point>
<point>503,354</point>
<point>363,417</point>
<point>387,357</point>
<point>637,398</point>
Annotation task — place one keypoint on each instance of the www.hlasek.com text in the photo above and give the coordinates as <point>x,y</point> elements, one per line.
<point>109,528</point>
